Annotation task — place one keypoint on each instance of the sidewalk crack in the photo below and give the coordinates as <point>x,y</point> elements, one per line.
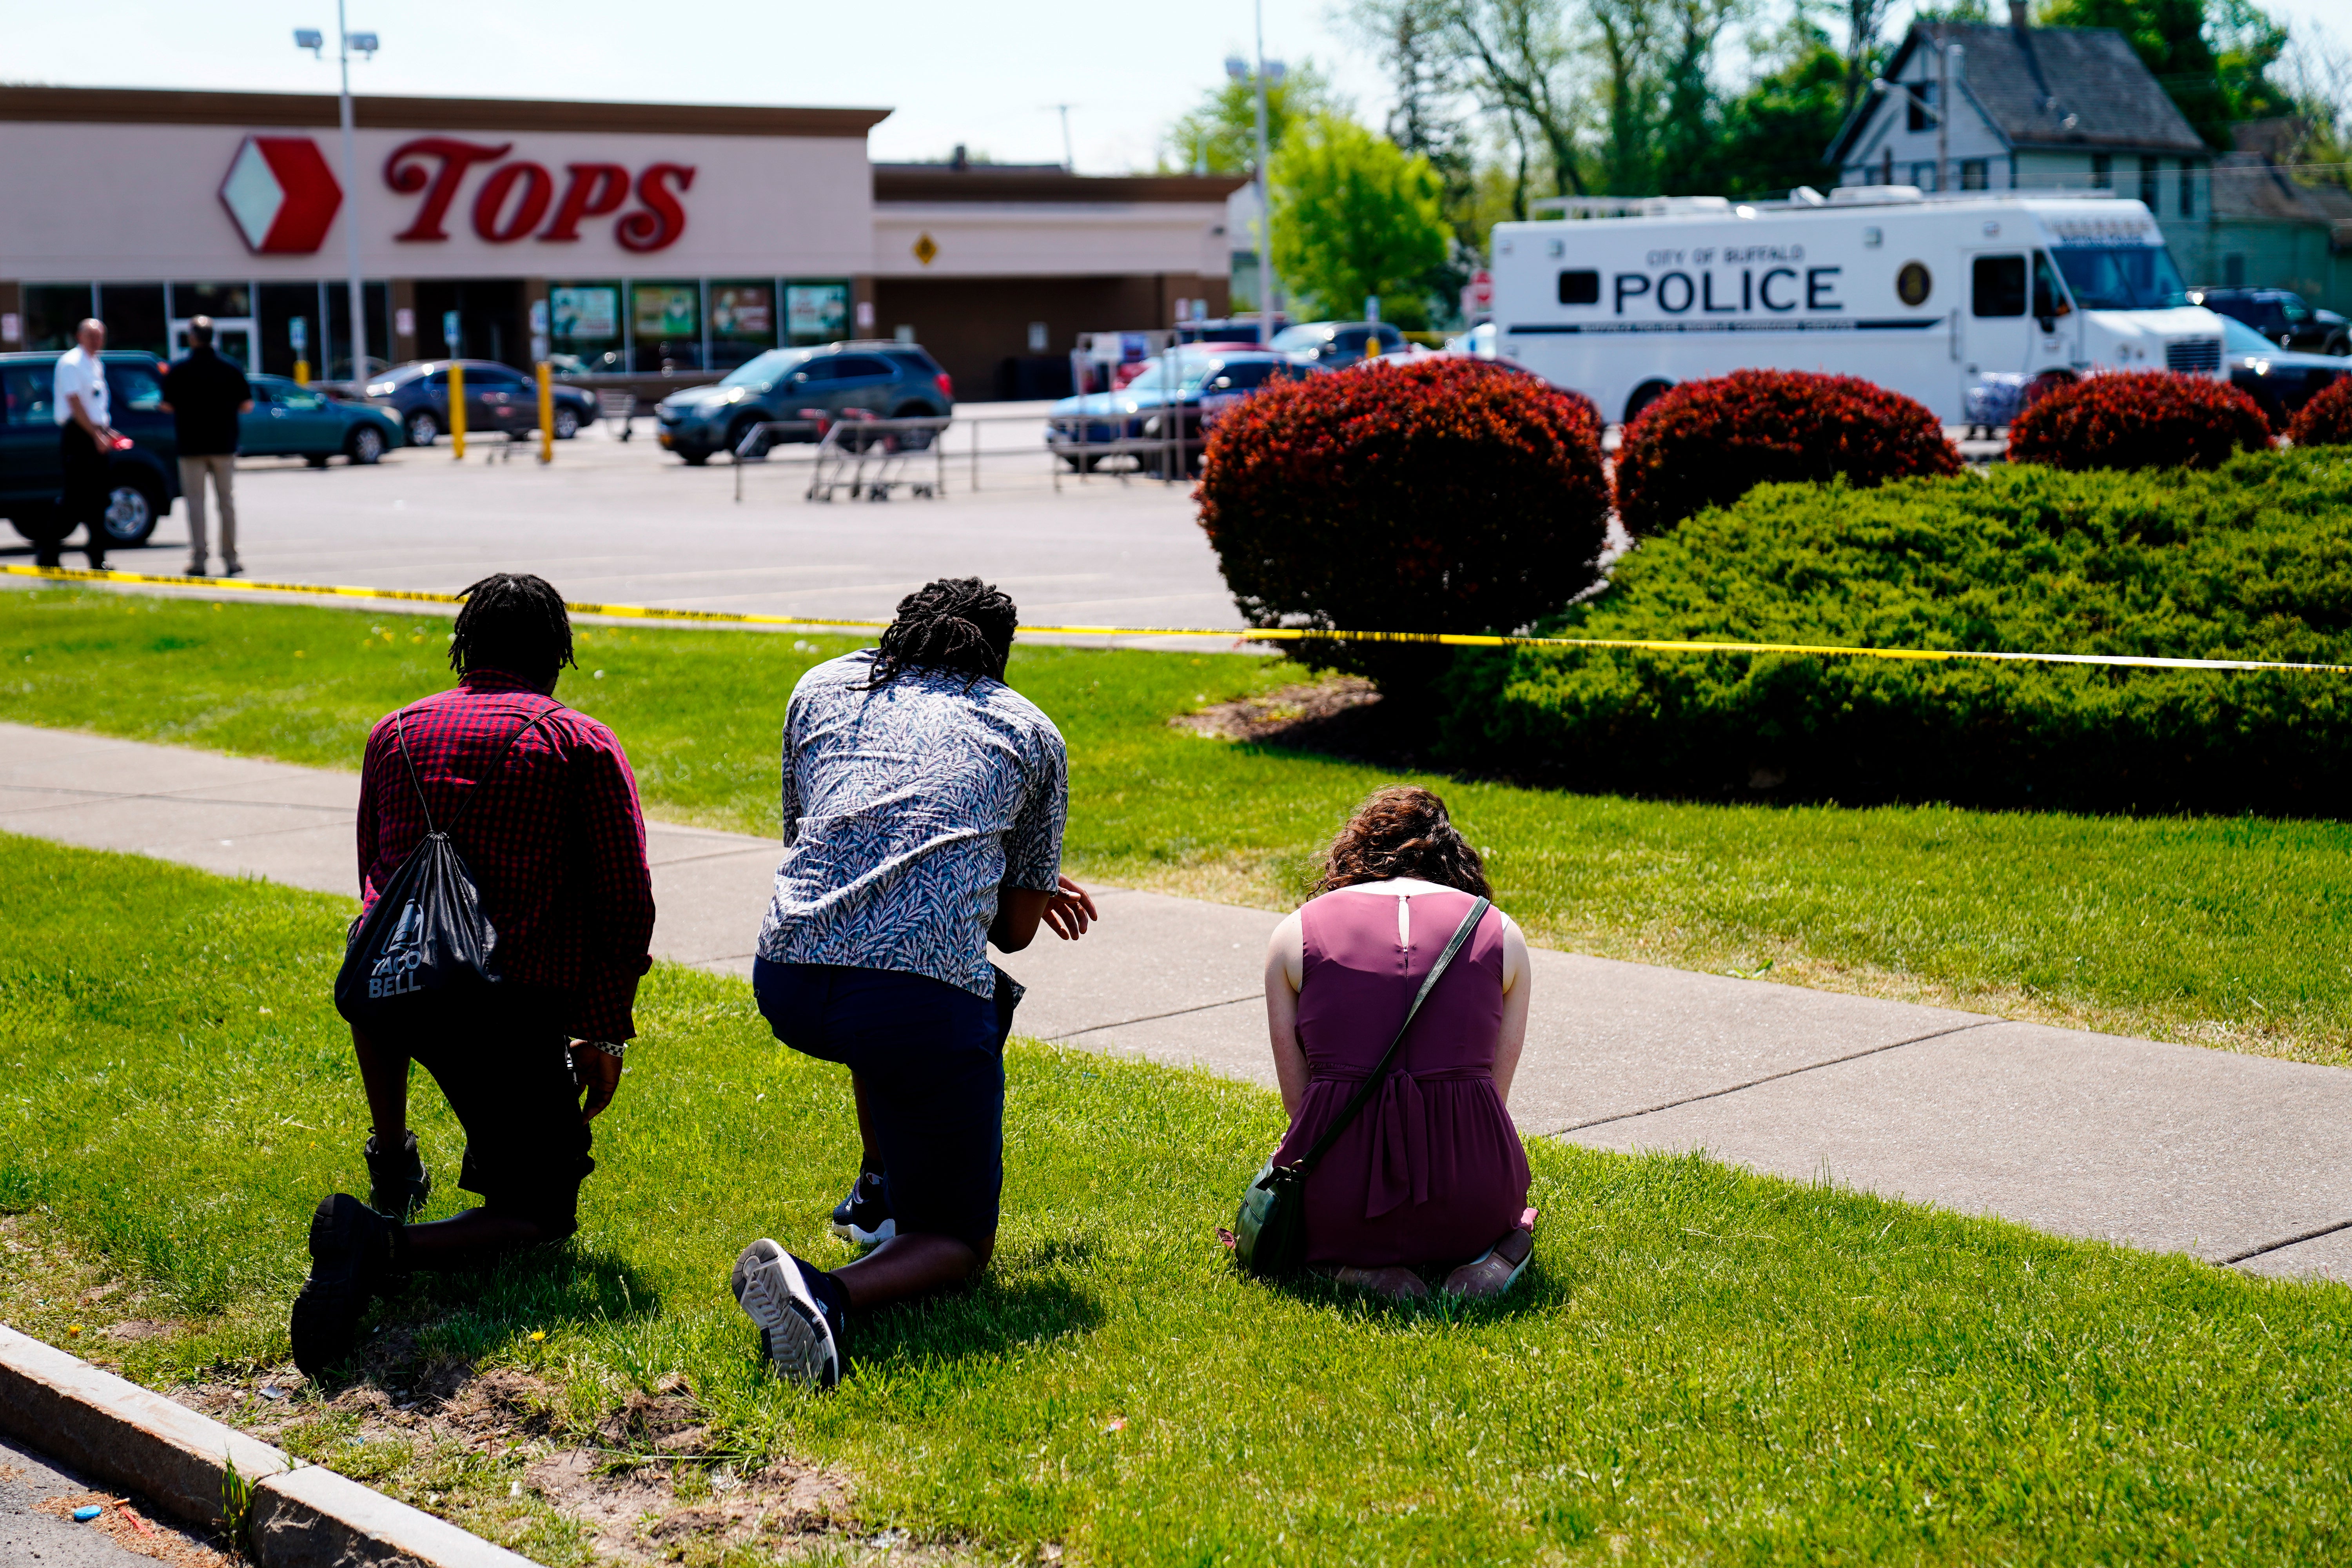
<point>2236,1258</point>
<point>1152,1017</point>
<point>1769,1077</point>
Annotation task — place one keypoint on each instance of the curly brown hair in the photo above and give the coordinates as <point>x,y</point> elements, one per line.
<point>1402,831</point>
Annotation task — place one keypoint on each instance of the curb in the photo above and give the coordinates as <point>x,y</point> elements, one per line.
<point>301,1516</point>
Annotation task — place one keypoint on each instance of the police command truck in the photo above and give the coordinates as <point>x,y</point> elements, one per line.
<point>1971,303</point>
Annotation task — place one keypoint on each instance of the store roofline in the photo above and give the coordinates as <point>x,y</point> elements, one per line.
<point>943,183</point>
<point>154,106</point>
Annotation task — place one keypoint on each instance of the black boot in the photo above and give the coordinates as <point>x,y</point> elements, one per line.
<point>398,1182</point>
<point>351,1263</point>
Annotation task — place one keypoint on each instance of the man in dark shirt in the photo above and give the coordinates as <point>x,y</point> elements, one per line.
<point>205,394</point>
<point>557,845</point>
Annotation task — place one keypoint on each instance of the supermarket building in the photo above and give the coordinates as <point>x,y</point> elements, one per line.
<point>653,240</point>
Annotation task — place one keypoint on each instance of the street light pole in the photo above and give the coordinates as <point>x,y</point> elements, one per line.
<point>1265,203</point>
<point>351,205</point>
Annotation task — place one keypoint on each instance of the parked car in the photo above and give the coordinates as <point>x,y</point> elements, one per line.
<point>2281,380</point>
<point>143,481</point>
<point>1135,370</point>
<point>887,380</point>
<point>1164,406</point>
<point>1243,328</point>
<point>1335,345</point>
<point>290,420</point>
<point>499,401</point>
<point>1478,342</point>
<point>2280,316</point>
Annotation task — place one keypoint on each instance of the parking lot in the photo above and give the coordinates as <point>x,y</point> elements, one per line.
<point>627,523</point>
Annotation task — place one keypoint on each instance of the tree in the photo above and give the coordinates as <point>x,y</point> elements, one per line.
<point>2215,79</point>
<point>1684,150</point>
<point>1864,20</point>
<point>1220,132</point>
<point>1518,57</point>
<point>1355,218</point>
<point>1772,136</point>
<point>1427,79</point>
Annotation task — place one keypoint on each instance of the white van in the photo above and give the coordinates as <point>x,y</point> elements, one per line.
<point>1963,301</point>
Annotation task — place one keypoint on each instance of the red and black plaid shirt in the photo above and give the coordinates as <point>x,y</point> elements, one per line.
<point>555,841</point>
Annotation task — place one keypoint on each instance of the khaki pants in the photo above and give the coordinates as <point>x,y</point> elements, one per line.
<point>223,469</point>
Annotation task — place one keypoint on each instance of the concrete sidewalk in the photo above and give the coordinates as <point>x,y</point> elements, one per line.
<point>2237,1158</point>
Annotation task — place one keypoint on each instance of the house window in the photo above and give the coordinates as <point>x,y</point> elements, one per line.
<point>1973,175</point>
<point>2103,172</point>
<point>1886,168</point>
<point>2149,169</point>
<point>1919,105</point>
<point>1924,175</point>
<point>2188,187</point>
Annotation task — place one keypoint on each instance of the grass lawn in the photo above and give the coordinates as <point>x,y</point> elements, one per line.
<point>2225,932</point>
<point>1702,1366</point>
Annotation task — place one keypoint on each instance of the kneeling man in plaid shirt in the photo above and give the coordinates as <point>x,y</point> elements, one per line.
<point>540,802</point>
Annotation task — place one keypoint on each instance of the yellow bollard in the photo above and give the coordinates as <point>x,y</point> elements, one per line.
<point>458,408</point>
<point>546,412</point>
<point>301,373</point>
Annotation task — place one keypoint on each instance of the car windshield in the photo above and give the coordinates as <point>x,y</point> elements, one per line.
<point>2121,277</point>
<point>767,370</point>
<point>2243,340</point>
<point>1290,340</point>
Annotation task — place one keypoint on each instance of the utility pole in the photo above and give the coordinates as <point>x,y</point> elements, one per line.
<point>1265,203</point>
<point>346,41</point>
<point>1069,159</point>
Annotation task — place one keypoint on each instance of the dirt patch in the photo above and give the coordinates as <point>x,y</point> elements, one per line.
<point>644,1509</point>
<point>1343,716</point>
<point>133,1531</point>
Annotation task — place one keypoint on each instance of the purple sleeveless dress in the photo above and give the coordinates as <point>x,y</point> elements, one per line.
<point>1432,1171</point>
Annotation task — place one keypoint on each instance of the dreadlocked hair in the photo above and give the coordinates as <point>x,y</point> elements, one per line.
<point>515,622</point>
<point>961,626</point>
<point>1402,831</point>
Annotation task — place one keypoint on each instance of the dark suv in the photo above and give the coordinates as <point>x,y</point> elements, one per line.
<point>888,379</point>
<point>1335,345</point>
<point>2280,316</point>
<point>143,482</point>
<point>499,401</point>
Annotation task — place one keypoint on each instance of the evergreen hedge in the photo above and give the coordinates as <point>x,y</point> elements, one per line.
<point>2252,561</point>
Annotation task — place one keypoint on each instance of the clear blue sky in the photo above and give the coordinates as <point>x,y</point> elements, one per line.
<point>984,74</point>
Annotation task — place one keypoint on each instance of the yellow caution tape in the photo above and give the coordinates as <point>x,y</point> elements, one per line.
<point>1251,634</point>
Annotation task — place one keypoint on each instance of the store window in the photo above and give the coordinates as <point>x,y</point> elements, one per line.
<point>666,324</point>
<point>335,348</point>
<point>213,300</point>
<point>816,313</point>
<point>742,322</point>
<point>133,314</point>
<point>586,321</point>
<point>288,320</point>
<point>52,311</point>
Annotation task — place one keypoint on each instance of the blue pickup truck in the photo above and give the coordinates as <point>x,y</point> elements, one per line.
<point>142,481</point>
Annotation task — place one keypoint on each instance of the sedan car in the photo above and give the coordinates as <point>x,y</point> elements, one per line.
<point>290,420</point>
<point>1335,345</point>
<point>2281,380</point>
<point>886,380</point>
<point>499,401</point>
<point>142,479</point>
<point>2280,316</point>
<point>1172,404</point>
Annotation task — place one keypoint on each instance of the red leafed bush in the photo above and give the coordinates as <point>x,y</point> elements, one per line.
<point>1431,495</point>
<point>2327,419</point>
<point>1707,443</point>
<point>2140,419</point>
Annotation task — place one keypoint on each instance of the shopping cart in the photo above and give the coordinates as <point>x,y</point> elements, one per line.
<point>869,456</point>
<point>620,405</point>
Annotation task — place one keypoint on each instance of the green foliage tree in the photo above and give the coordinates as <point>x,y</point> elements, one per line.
<point>2210,56</point>
<point>1220,132</point>
<point>1354,217</point>
<point>1771,137</point>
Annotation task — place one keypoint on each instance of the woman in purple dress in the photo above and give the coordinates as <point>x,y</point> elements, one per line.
<point>1431,1174</point>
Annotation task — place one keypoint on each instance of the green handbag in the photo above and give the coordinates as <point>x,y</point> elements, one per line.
<point>1269,1236</point>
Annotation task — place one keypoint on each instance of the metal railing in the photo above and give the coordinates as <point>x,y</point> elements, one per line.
<point>863,455</point>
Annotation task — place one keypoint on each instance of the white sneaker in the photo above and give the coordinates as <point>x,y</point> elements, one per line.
<point>795,1333</point>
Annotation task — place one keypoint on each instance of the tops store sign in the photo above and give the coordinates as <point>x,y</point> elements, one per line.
<point>282,197</point>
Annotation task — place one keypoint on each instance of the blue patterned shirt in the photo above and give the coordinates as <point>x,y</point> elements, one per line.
<point>904,809</point>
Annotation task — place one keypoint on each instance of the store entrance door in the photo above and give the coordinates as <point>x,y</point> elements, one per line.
<point>235,338</point>
<point>489,319</point>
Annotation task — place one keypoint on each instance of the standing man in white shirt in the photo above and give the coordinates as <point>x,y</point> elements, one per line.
<point>86,440</point>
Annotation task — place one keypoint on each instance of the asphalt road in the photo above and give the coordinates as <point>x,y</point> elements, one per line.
<point>627,523</point>
<point>37,1527</point>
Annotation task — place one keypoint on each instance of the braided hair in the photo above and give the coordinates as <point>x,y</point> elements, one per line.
<point>1402,831</point>
<point>515,622</point>
<point>961,626</point>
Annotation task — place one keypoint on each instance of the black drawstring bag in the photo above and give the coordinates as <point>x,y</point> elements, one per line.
<point>425,948</point>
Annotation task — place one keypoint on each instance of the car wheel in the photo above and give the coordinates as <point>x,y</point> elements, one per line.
<point>133,504</point>
<point>567,423</point>
<point>365,445</point>
<point>39,522</point>
<point>914,440</point>
<point>694,460</point>
<point>423,429</point>
<point>1649,391</point>
<point>2340,344</point>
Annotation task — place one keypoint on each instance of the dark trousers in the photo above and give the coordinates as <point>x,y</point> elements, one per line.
<point>84,498</point>
<point>507,1073</point>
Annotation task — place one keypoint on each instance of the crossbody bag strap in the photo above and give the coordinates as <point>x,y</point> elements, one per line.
<point>400,738</point>
<point>1365,1089</point>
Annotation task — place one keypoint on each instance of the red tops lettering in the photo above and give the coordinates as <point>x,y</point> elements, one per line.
<point>514,196</point>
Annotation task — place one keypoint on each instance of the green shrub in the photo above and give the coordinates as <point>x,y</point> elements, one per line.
<point>2253,561</point>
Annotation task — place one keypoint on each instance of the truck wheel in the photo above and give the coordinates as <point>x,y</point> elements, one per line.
<point>1649,391</point>
<point>134,502</point>
<point>39,522</point>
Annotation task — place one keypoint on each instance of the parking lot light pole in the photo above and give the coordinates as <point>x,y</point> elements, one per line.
<point>1265,202</point>
<point>307,38</point>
